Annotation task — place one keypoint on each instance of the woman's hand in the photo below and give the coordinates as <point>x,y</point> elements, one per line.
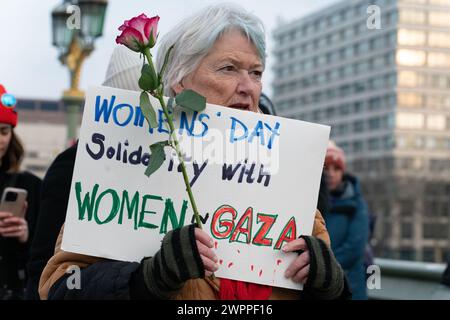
<point>205,244</point>
<point>298,270</point>
<point>317,268</point>
<point>14,227</point>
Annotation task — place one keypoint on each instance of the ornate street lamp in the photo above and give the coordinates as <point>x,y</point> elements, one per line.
<point>75,42</point>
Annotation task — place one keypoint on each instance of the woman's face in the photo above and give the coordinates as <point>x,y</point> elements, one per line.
<point>230,74</point>
<point>5,138</point>
<point>334,176</point>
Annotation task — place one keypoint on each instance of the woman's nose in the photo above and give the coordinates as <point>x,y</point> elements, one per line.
<point>246,85</point>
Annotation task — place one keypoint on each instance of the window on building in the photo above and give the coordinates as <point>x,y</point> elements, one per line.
<point>410,16</point>
<point>49,106</point>
<point>358,107</point>
<point>439,39</point>
<point>439,81</point>
<point>439,18</point>
<point>408,254</point>
<point>407,230</point>
<point>436,101</point>
<point>439,59</point>
<point>344,128</point>
<point>439,165</point>
<point>410,121</point>
<point>409,79</point>
<point>344,109</point>
<point>388,144</point>
<point>375,103</point>
<point>374,123</point>
<point>411,57</point>
<point>411,37</point>
<point>330,112</point>
<point>391,39</point>
<point>358,126</point>
<point>436,122</point>
<point>26,105</point>
<point>428,254</point>
<point>362,67</point>
<point>419,142</point>
<point>410,100</point>
<point>358,146</point>
<point>364,46</point>
<point>435,230</point>
<point>374,144</point>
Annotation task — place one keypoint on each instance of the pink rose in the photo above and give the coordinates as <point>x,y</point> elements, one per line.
<point>139,33</point>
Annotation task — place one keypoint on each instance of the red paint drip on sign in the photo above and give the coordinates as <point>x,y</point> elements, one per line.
<point>220,261</point>
<point>230,264</point>
<point>278,262</point>
<point>251,267</point>
<point>260,273</point>
<point>215,244</point>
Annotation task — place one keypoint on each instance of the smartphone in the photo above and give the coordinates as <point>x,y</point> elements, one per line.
<point>13,201</point>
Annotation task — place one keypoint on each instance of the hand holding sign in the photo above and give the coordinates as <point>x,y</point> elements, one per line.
<point>204,245</point>
<point>298,270</point>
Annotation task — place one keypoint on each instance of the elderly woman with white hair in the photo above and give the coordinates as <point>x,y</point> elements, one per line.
<point>220,53</point>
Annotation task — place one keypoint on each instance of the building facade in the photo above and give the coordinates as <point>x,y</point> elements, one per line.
<point>378,72</point>
<point>42,128</point>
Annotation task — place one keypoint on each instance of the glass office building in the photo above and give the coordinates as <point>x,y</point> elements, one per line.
<point>384,87</point>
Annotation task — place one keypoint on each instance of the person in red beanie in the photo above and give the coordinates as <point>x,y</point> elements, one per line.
<point>15,230</point>
<point>347,221</point>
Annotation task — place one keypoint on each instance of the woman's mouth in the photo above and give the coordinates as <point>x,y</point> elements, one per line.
<point>240,106</point>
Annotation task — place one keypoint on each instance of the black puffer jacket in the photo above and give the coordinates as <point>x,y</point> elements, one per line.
<point>13,254</point>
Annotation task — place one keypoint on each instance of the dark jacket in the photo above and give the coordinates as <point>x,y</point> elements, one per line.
<point>53,205</point>
<point>348,226</point>
<point>13,254</point>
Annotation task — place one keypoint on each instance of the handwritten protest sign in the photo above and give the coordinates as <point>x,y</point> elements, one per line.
<point>255,178</point>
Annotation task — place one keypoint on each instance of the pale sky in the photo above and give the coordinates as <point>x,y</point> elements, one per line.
<point>29,67</point>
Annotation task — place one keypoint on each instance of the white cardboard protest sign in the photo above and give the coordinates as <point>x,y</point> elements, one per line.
<point>255,179</point>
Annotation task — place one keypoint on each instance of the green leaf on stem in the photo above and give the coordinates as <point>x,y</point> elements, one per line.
<point>157,157</point>
<point>191,100</point>
<point>148,80</point>
<point>147,110</point>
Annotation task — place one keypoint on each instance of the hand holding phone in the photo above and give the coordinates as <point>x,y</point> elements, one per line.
<point>13,206</point>
<point>13,201</point>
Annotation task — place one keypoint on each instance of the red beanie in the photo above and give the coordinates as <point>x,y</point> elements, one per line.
<point>335,156</point>
<point>7,103</point>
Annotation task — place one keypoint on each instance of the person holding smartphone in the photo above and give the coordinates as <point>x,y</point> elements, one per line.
<point>20,192</point>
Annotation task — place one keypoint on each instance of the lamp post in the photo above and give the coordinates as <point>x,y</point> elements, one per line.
<point>76,24</point>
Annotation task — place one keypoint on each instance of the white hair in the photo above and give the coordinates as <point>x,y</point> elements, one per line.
<point>195,35</point>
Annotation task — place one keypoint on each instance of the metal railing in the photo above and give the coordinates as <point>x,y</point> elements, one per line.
<point>410,280</point>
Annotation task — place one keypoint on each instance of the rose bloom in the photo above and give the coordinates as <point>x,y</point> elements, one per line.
<point>139,33</point>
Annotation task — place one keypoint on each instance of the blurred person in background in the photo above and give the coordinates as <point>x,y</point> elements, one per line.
<point>16,230</point>
<point>347,221</point>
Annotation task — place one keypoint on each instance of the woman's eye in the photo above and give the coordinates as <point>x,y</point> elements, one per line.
<point>257,74</point>
<point>228,68</point>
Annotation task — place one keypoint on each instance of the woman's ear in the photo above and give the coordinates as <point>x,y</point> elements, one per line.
<point>178,88</point>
